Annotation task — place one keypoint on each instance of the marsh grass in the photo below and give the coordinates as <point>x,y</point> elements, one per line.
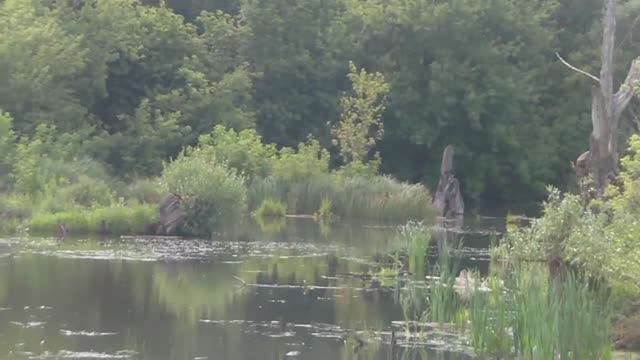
<point>270,208</point>
<point>377,198</point>
<point>535,319</point>
<point>444,303</point>
<point>325,212</point>
<point>117,219</point>
<point>417,240</point>
<point>520,314</point>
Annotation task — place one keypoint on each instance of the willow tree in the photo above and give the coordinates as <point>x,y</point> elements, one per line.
<point>601,161</point>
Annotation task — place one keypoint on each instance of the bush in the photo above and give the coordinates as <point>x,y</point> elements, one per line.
<point>46,160</point>
<point>143,190</point>
<point>213,194</point>
<point>7,149</point>
<point>602,240</point>
<point>88,192</point>
<point>271,208</point>
<point>309,161</point>
<point>242,150</point>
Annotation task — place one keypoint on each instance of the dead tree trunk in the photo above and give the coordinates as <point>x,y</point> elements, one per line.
<point>448,199</point>
<point>601,161</point>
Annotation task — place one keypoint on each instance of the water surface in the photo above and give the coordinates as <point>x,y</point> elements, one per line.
<point>303,291</point>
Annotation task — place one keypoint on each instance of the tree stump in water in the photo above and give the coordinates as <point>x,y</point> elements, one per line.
<point>448,199</point>
<point>172,215</point>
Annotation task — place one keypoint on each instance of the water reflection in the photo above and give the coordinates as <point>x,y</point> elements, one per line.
<point>283,293</point>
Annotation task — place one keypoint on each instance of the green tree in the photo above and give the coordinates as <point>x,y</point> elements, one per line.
<point>39,63</point>
<point>466,73</point>
<point>301,71</point>
<point>361,125</point>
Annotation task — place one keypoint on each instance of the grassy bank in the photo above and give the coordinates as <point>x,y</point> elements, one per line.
<point>226,176</point>
<point>114,219</point>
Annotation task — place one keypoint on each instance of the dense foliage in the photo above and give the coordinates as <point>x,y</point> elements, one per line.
<point>134,82</point>
<point>213,195</point>
<point>601,238</point>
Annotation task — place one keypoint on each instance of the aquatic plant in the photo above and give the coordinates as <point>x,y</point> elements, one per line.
<point>271,208</point>
<point>444,303</point>
<point>535,319</point>
<point>374,198</point>
<point>325,212</point>
<point>416,239</point>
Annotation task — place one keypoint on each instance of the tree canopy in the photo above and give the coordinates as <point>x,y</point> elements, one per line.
<point>135,81</point>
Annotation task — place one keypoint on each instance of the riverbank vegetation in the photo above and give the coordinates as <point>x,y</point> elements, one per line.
<point>517,310</point>
<point>566,285</point>
<point>137,81</point>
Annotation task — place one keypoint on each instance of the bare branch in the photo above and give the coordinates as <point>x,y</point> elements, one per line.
<point>629,35</point>
<point>608,44</point>
<point>576,69</point>
<point>628,88</point>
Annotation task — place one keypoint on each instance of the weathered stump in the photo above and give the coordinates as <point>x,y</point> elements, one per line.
<point>448,199</point>
<point>172,215</point>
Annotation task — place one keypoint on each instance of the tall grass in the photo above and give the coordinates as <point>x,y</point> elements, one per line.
<point>538,320</point>
<point>374,198</point>
<point>417,240</point>
<point>271,208</point>
<point>114,219</point>
<point>525,316</point>
<point>444,303</point>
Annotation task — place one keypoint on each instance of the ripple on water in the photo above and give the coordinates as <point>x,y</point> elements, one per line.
<point>86,333</point>
<point>66,354</point>
<point>29,325</point>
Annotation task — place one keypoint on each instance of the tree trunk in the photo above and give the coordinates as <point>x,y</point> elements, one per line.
<point>448,199</point>
<point>601,161</point>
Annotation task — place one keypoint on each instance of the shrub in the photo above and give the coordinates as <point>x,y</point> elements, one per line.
<point>271,208</point>
<point>308,161</point>
<point>88,192</point>
<point>7,149</point>
<point>46,160</point>
<point>213,194</point>
<point>143,190</point>
<point>242,150</point>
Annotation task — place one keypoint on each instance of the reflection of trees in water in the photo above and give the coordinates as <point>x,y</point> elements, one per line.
<point>157,306</point>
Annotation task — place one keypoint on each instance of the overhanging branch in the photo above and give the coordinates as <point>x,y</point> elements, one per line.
<point>592,77</point>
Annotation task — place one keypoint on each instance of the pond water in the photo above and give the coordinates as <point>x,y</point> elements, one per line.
<point>300,292</point>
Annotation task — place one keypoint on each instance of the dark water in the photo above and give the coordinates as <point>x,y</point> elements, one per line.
<point>302,292</point>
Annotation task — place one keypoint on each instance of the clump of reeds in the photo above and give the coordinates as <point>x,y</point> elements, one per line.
<point>270,208</point>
